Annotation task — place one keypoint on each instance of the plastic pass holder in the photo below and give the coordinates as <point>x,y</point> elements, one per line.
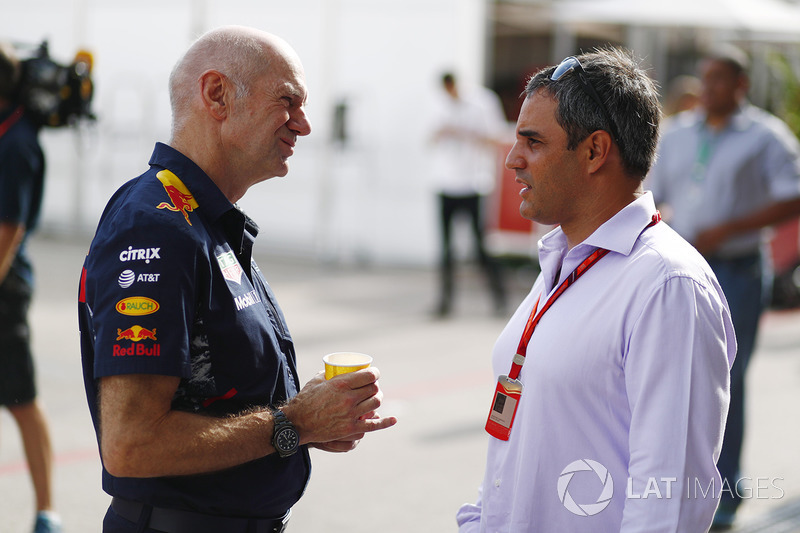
<point>509,388</point>
<point>504,407</point>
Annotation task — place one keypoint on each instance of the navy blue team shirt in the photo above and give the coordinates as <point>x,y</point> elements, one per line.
<point>22,169</point>
<point>169,287</point>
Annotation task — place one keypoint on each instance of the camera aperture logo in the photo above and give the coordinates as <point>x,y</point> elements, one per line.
<point>585,509</point>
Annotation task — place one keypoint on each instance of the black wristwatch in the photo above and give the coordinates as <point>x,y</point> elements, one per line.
<point>285,438</point>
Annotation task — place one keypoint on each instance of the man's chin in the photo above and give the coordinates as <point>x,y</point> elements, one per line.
<point>283,169</point>
<point>526,211</point>
<point>279,172</point>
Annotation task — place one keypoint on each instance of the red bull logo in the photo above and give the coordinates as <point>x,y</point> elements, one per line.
<point>136,334</point>
<point>136,350</point>
<point>182,200</point>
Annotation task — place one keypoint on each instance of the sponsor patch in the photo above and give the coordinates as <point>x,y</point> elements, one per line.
<point>139,254</point>
<point>136,334</point>
<point>136,350</point>
<point>246,300</point>
<point>137,306</point>
<point>231,269</point>
<point>182,200</point>
<point>126,279</point>
<point>129,277</point>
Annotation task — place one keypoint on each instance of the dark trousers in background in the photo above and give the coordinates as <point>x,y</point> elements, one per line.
<point>742,281</point>
<point>17,373</point>
<point>450,207</point>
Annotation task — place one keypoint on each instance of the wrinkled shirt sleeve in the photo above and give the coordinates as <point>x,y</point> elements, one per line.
<point>469,516</point>
<point>677,382</point>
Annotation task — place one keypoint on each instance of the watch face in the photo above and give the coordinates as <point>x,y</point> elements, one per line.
<point>286,439</point>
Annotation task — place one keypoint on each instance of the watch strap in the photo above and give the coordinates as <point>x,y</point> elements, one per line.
<point>281,423</point>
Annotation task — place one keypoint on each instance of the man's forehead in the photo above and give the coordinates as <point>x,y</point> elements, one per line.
<point>286,80</point>
<point>714,66</point>
<point>538,107</point>
<point>295,87</point>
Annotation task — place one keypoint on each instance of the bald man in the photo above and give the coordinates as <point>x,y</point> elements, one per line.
<point>189,367</point>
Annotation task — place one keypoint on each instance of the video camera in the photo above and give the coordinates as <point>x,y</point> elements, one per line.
<point>53,94</point>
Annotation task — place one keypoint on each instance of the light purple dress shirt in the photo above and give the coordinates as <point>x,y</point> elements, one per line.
<point>626,386</point>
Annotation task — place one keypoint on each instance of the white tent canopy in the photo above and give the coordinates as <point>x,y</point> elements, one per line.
<point>756,18</point>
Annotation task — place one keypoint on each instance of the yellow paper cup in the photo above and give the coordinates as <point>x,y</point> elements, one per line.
<point>344,363</point>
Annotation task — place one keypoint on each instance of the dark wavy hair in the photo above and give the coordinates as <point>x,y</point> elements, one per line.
<point>630,97</point>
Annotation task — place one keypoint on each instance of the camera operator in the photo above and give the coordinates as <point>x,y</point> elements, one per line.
<point>22,169</point>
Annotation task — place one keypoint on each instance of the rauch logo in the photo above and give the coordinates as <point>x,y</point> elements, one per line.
<point>137,306</point>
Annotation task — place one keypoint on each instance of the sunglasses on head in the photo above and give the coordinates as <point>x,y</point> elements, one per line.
<point>571,64</point>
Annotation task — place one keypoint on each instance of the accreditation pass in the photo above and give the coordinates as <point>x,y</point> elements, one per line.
<point>504,407</point>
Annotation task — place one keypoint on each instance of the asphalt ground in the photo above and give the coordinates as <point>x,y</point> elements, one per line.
<point>436,378</point>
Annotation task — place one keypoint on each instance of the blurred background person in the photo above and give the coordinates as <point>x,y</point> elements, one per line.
<point>22,168</point>
<point>726,172</point>
<point>683,94</point>
<point>467,128</point>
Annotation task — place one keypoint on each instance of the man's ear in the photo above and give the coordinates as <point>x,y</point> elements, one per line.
<point>216,92</point>
<point>598,147</point>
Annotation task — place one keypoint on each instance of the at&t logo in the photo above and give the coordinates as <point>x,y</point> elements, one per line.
<point>585,509</point>
<point>126,279</point>
<point>129,277</point>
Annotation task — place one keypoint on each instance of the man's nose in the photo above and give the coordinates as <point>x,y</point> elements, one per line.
<point>513,160</point>
<point>299,123</point>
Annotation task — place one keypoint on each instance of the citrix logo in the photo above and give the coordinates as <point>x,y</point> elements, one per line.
<point>140,254</point>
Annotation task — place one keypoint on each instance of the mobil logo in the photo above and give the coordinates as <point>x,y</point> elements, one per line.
<point>137,306</point>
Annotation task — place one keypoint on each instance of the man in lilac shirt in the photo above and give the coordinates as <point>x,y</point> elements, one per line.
<point>625,375</point>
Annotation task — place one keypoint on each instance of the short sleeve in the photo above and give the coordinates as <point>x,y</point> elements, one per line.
<point>140,288</point>
<point>20,164</point>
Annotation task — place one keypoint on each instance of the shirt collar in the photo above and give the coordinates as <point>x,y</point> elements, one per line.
<point>212,202</point>
<point>618,234</point>
<point>742,119</point>
<point>239,228</point>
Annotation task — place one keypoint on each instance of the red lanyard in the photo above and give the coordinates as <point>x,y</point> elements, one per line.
<point>10,121</point>
<point>534,318</point>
